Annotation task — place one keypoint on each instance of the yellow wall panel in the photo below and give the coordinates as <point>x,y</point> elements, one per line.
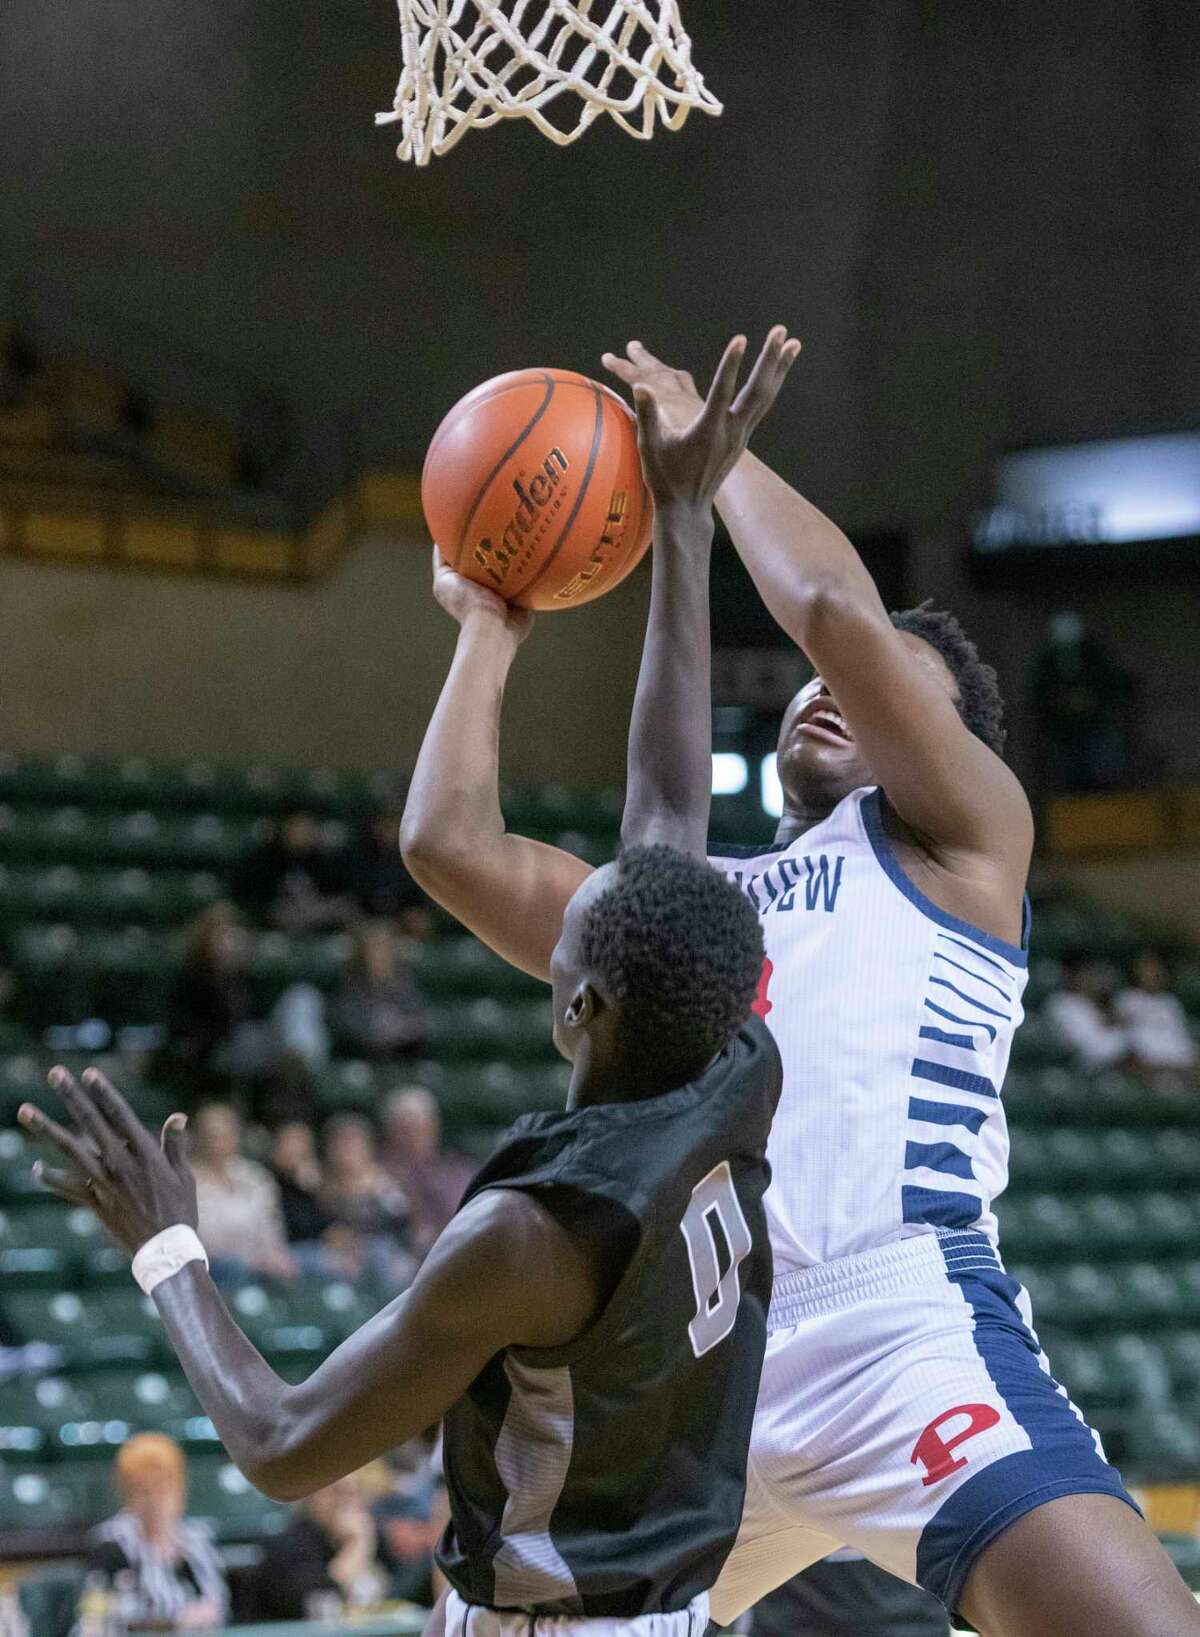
<point>65,534</point>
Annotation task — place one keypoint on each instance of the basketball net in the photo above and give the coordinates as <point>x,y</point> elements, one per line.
<point>473,62</point>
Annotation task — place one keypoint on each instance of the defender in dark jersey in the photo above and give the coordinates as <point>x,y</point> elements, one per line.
<point>591,1324</point>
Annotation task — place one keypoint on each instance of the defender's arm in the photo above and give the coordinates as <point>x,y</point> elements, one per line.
<point>394,1377</point>
<point>669,788</point>
<point>510,890</point>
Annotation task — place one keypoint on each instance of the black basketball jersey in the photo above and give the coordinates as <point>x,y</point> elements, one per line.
<point>607,1477</point>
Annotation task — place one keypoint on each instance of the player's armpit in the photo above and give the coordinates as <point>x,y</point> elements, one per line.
<point>511,893</point>
<point>948,787</point>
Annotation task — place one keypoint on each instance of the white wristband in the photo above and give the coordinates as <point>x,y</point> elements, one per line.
<point>165,1254</point>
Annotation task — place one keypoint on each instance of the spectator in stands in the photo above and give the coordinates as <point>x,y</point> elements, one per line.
<point>241,1218</point>
<point>317,1242</point>
<point>297,1173</point>
<point>410,1516</point>
<point>1081,1010</point>
<point>177,1581</point>
<point>330,1548</point>
<point>361,1196</point>
<point>209,1031</point>
<point>291,882</point>
<point>374,875</point>
<point>1157,1026</point>
<point>377,1012</point>
<point>433,1178</point>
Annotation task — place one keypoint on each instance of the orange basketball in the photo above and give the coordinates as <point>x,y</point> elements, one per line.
<point>533,486</point>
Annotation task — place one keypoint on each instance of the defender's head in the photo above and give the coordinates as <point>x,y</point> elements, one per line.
<point>817,757</point>
<point>655,970</point>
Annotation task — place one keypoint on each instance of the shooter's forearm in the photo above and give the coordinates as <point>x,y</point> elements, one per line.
<point>453,801</point>
<point>800,562</point>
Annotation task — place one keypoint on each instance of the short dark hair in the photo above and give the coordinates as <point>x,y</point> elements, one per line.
<point>979,699</point>
<point>680,950</point>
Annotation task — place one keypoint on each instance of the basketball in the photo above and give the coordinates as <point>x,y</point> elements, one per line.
<point>533,487</point>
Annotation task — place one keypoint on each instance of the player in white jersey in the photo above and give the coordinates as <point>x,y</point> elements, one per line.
<point>905,1409</point>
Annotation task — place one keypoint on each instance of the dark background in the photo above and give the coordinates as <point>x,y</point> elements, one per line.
<point>981,217</point>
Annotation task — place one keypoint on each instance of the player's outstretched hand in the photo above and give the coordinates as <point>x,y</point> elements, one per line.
<point>135,1185</point>
<point>461,598</point>
<point>689,445</point>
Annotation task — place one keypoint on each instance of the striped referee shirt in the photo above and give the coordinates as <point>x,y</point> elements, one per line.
<point>164,1586</point>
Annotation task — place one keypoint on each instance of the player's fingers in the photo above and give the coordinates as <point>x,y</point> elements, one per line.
<point>173,1140</point>
<point>83,1111</point>
<point>724,384</point>
<point>643,357</point>
<point>66,1184</point>
<point>121,1119</point>
<point>620,367</point>
<point>767,377</point>
<point>42,1128</point>
<point>647,417</point>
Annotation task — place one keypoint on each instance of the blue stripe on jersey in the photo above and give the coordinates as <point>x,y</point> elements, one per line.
<point>944,983</point>
<point>958,1078</point>
<point>941,1209</point>
<point>971,950</point>
<point>1063,1459</point>
<point>871,809</point>
<point>928,1032</point>
<point>959,967</point>
<point>938,1156</point>
<point>947,1114</point>
<point>967,1022</point>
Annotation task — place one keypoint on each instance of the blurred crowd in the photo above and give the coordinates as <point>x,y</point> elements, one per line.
<point>1131,1020</point>
<point>281,1196</point>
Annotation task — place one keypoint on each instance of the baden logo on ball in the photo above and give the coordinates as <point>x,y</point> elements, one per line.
<point>533,487</point>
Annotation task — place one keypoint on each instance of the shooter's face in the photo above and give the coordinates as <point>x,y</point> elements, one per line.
<point>818,758</point>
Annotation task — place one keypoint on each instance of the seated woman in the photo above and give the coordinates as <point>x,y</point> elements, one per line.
<point>241,1221</point>
<point>329,1551</point>
<point>377,1012</point>
<point>361,1196</point>
<point>176,1578</point>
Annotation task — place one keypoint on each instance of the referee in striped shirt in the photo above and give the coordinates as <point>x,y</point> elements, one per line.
<point>177,1577</point>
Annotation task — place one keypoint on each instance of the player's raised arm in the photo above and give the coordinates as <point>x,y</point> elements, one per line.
<point>394,1377</point>
<point>670,738</point>
<point>509,890</point>
<point>952,791</point>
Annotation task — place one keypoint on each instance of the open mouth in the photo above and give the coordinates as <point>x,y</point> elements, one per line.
<point>822,720</point>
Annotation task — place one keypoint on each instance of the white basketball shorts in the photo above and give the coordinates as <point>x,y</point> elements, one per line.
<point>905,1409</point>
<point>471,1620</point>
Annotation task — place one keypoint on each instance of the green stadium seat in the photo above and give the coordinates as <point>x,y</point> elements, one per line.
<point>1163,1446</point>
<point>1167,1222</point>
<point>1037,1045</point>
<point>1150,1293</point>
<point>93,1329</point>
<point>464,966</point>
<point>220,1496</point>
<point>40,1497</point>
<point>1175,1155</point>
<point>1110,1225</point>
<point>334,1307</point>
<point>490,1028</point>
<point>1181,1352</point>
<point>267,1319</point>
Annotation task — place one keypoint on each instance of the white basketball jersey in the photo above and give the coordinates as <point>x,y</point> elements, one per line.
<point>894,1020</point>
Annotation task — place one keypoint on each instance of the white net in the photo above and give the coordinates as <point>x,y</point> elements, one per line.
<point>473,62</point>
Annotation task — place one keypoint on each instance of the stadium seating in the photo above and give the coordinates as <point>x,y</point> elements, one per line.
<point>100,866</point>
